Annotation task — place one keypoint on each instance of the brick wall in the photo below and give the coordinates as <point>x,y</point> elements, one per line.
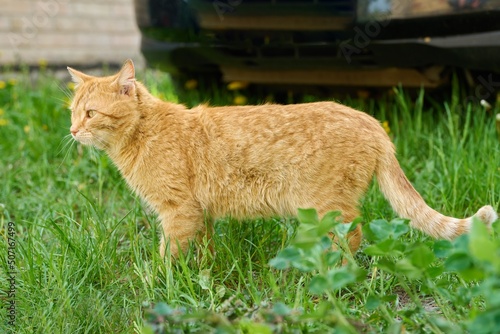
<point>68,32</point>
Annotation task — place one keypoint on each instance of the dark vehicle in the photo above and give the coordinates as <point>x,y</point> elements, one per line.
<point>370,43</point>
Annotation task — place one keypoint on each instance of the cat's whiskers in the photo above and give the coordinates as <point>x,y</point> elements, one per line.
<point>65,146</point>
<point>94,153</point>
<point>66,142</point>
<point>66,91</point>
<point>101,143</point>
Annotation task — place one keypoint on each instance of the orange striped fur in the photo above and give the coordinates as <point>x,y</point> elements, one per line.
<point>245,162</point>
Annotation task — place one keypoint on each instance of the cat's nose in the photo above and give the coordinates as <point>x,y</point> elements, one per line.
<point>73,131</point>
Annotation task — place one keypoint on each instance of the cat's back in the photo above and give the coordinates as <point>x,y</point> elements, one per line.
<point>302,122</point>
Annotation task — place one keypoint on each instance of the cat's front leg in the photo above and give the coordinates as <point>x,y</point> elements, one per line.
<point>180,226</point>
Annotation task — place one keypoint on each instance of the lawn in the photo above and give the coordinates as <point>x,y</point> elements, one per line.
<point>80,250</point>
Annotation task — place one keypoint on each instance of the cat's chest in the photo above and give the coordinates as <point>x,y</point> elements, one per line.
<point>158,176</point>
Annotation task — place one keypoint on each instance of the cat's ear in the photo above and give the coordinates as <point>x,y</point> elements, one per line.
<point>126,78</point>
<point>77,76</point>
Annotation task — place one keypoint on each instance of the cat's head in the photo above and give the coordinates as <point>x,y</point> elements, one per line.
<point>104,109</point>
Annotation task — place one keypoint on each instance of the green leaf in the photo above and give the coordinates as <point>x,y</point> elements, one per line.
<point>281,309</point>
<point>480,244</point>
<point>461,243</point>
<point>285,258</point>
<point>247,326</point>
<point>372,302</point>
<point>318,285</point>
<point>328,222</point>
<point>399,227</point>
<point>291,254</point>
<point>340,277</point>
<point>458,262</point>
<point>162,309</point>
<point>442,248</point>
<point>360,273</point>
<point>405,267</point>
<point>384,248</point>
<point>434,272</point>
<point>308,216</point>
<point>279,263</point>
<point>220,291</point>
<point>341,230</point>
<point>304,241</point>
<point>422,256</point>
<point>472,274</point>
<point>377,230</point>
<point>325,243</point>
<point>387,265</point>
<point>332,258</point>
<point>307,264</point>
<point>204,279</point>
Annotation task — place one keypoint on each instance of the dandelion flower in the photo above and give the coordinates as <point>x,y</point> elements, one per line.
<point>26,128</point>
<point>191,84</point>
<point>71,85</point>
<point>385,125</point>
<point>2,84</point>
<point>12,82</point>
<point>240,100</point>
<point>235,85</point>
<point>42,63</point>
<point>3,122</point>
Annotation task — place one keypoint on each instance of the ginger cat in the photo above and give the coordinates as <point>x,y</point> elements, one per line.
<point>245,162</point>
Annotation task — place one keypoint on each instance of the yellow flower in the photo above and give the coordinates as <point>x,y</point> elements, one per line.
<point>191,84</point>
<point>240,100</point>
<point>42,63</point>
<point>12,82</point>
<point>71,85</point>
<point>2,84</point>
<point>385,125</point>
<point>235,85</point>
<point>26,128</point>
<point>3,122</point>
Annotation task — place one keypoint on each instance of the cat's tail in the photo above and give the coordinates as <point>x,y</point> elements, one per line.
<point>408,203</point>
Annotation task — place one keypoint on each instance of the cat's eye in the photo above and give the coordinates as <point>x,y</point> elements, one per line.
<point>90,113</point>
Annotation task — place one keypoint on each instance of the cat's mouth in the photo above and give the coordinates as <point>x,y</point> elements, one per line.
<point>84,138</point>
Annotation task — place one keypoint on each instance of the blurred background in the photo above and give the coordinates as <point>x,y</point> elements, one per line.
<point>63,32</point>
<point>309,44</point>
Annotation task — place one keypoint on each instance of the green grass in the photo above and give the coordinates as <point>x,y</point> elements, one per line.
<point>86,249</point>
